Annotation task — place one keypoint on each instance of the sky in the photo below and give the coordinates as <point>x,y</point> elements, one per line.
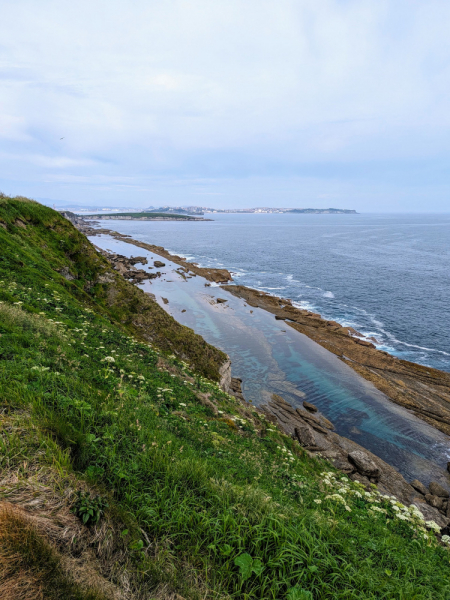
<point>227,103</point>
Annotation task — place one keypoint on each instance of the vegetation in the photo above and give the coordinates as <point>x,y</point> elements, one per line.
<point>147,215</point>
<point>192,493</point>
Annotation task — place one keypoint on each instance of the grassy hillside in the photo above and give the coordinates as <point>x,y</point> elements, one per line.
<point>126,472</point>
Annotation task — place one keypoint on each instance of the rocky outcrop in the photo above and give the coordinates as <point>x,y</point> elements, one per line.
<point>419,487</point>
<point>225,375</point>
<point>235,388</point>
<point>314,434</point>
<point>125,266</point>
<point>364,464</point>
<point>437,490</point>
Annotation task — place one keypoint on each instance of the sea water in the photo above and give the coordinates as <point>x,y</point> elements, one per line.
<point>388,276</point>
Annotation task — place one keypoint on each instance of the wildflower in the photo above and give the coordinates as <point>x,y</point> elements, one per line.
<point>109,359</point>
<point>446,539</point>
<point>317,501</point>
<point>432,525</point>
<point>182,404</point>
<point>347,508</point>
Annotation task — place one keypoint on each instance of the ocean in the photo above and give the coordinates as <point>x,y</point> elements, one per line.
<point>388,276</point>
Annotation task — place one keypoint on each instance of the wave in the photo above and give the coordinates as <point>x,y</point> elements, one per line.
<point>328,295</point>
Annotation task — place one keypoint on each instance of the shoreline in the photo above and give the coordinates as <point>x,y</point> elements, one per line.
<point>424,391</point>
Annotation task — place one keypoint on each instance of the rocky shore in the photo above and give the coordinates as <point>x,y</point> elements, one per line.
<point>315,433</point>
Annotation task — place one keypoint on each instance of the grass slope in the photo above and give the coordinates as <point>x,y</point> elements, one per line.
<point>206,498</point>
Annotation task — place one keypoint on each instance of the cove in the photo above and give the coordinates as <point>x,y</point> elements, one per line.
<point>270,357</point>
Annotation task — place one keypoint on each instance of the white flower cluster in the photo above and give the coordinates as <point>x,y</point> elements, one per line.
<point>343,489</point>
<point>288,454</point>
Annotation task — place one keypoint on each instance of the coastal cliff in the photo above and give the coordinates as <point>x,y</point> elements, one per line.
<point>127,472</point>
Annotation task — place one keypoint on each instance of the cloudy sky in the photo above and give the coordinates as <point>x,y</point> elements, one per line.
<point>227,103</point>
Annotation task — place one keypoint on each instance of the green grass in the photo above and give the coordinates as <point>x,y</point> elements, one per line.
<point>205,479</point>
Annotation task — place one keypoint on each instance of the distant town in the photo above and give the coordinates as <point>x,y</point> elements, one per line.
<point>203,210</point>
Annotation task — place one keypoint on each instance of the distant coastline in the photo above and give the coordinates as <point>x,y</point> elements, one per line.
<point>145,216</point>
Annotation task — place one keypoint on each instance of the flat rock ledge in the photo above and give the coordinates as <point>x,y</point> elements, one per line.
<point>315,434</point>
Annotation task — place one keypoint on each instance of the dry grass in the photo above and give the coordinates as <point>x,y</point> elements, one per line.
<point>27,321</point>
<point>30,567</point>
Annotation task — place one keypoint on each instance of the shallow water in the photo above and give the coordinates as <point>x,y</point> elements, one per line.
<point>272,357</point>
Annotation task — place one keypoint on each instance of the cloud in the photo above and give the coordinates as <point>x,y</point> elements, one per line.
<point>224,90</point>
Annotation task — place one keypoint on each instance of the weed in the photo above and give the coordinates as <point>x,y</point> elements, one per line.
<point>89,509</point>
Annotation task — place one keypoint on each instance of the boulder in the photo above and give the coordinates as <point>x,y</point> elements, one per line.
<point>343,465</point>
<point>364,464</point>
<point>309,406</point>
<point>159,264</point>
<point>221,300</point>
<point>419,487</point>
<point>305,435</point>
<point>434,501</point>
<point>438,490</point>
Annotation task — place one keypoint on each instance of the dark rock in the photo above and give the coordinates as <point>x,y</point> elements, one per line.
<point>343,466</point>
<point>448,467</point>
<point>309,406</point>
<point>364,464</point>
<point>434,501</point>
<point>438,490</point>
<point>305,435</point>
<point>419,487</point>
<point>159,264</point>
<point>364,343</point>
<point>278,318</point>
<point>184,310</point>
<point>165,300</point>
<point>311,420</point>
<point>221,300</point>
<point>235,388</point>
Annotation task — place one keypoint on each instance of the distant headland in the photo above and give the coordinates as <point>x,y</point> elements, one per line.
<point>165,212</point>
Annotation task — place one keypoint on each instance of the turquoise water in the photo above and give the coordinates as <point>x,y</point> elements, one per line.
<point>271,357</point>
